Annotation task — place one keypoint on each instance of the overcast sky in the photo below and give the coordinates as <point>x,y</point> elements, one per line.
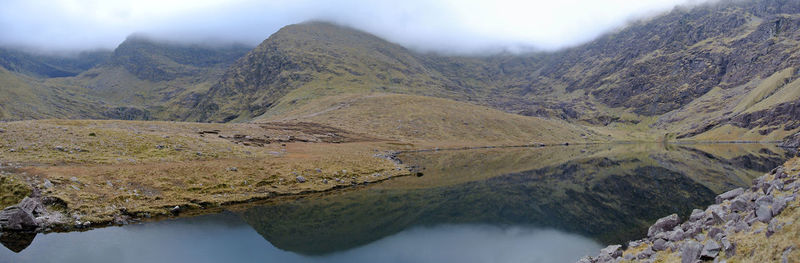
<point>437,25</point>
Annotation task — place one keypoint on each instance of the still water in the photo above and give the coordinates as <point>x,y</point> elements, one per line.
<point>552,204</point>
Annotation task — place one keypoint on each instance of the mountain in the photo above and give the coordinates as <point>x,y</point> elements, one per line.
<point>311,60</point>
<point>726,70</point>
<point>50,66</point>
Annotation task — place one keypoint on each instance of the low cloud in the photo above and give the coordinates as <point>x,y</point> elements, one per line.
<point>450,26</point>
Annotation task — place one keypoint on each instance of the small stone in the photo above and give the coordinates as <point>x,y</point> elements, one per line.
<point>233,169</point>
<point>710,250</point>
<point>728,247</point>
<point>325,181</point>
<point>47,184</point>
<point>645,253</point>
<point>175,210</point>
<point>690,251</point>
<point>74,179</point>
<point>300,179</point>
<point>12,150</point>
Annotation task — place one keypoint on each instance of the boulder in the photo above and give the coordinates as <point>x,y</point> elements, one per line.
<point>300,179</point>
<point>15,218</point>
<point>32,205</point>
<point>764,213</point>
<point>659,244</point>
<point>710,250</point>
<point>778,206</point>
<point>614,251</point>
<point>729,195</point>
<point>764,200</point>
<point>690,251</point>
<point>739,205</point>
<point>714,233</point>
<point>676,235</point>
<point>664,224</point>
<point>697,214</point>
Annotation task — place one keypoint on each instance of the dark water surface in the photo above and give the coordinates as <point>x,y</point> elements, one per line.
<point>552,204</point>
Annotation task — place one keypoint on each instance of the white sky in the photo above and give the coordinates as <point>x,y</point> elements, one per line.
<point>443,25</point>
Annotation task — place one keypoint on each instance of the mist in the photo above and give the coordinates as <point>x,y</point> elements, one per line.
<point>445,26</point>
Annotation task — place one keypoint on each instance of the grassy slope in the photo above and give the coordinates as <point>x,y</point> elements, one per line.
<point>26,98</point>
<point>426,120</point>
<point>98,167</point>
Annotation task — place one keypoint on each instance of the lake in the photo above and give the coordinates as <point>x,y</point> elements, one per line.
<point>546,204</point>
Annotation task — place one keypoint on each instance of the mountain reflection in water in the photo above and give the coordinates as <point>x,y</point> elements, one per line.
<point>551,204</point>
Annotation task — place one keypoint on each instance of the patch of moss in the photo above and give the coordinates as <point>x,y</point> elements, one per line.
<point>12,191</point>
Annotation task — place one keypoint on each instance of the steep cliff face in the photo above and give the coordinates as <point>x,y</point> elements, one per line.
<point>311,60</point>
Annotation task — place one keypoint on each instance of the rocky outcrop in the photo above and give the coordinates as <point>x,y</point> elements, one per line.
<point>30,215</point>
<point>705,234</point>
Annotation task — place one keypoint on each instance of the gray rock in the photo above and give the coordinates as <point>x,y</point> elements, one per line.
<point>778,206</point>
<point>764,213</point>
<point>710,250</point>
<point>659,244</point>
<point>697,214</point>
<point>614,251</point>
<point>664,224</point>
<point>729,195</point>
<point>764,200</point>
<point>714,232</point>
<point>676,235</point>
<point>300,179</point>
<point>586,259</point>
<point>786,252</point>
<point>717,213</point>
<point>728,247</point>
<point>32,206</point>
<point>47,184</point>
<point>15,218</point>
<point>733,217</point>
<point>175,210</point>
<point>741,226</point>
<point>692,231</point>
<point>690,251</point>
<point>645,253</point>
<point>739,205</point>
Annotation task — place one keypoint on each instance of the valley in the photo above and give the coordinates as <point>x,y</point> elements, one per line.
<point>157,129</point>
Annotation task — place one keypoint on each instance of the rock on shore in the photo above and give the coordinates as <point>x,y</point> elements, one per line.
<point>706,234</point>
<point>29,215</point>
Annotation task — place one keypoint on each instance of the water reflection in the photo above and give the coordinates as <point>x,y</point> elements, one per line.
<point>548,204</point>
<point>609,193</point>
<point>225,238</point>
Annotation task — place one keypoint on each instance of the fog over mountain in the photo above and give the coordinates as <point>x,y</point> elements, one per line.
<point>450,26</point>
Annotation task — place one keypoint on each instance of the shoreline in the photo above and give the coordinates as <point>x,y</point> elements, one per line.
<point>749,225</point>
